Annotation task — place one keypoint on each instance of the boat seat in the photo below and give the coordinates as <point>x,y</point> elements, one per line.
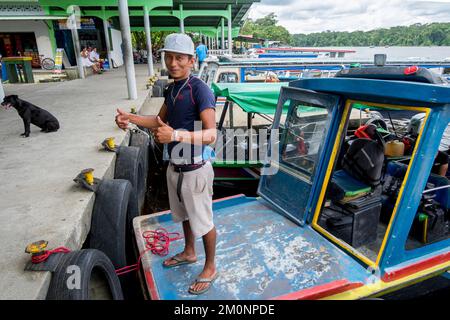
<point>345,187</point>
<point>361,171</point>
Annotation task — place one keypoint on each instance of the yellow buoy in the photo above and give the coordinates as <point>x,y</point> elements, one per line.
<point>36,247</point>
<point>110,142</point>
<point>89,176</point>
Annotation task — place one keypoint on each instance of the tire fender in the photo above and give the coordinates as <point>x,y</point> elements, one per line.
<point>65,286</point>
<point>108,231</point>
<point>157,91</point>
<point>130,166</point>
<point>140,140</point>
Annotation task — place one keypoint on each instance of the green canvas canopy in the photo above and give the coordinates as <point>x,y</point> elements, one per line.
<point>252,97</point>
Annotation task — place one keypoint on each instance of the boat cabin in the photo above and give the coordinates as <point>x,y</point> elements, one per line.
<point>263,70</point>
<point>342,213</point>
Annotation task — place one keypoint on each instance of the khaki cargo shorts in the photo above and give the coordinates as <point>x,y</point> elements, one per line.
<point>196,198</point>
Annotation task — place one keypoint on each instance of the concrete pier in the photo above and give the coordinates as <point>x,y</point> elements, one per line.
<point>39,200</point>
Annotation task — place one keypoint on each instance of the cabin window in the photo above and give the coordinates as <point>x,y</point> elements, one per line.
<point>332,54</point>
<point>228,77</point>
<point>367,177</point>
<point>432,221</point>
<point>210,76</point>
<point>305,132</point>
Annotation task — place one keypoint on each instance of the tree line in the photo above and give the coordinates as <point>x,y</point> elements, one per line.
<point>432,34</point>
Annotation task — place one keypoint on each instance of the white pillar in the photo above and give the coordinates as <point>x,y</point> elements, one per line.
<point>2,92</point>
<point>73,24</point>
<point>222,45</point>
<point>128,54</point>
<point>108,44</point>
<point>217,40</point>
<point>148,36</point>
<point>181,25</point>
<point>77,49</point>
<point>181,19</point>
<point>230,37</point>
<point>163,61</point>
<point>230,40</point>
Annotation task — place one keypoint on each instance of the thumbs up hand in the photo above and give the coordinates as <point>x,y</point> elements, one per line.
<point>164,132</point>
<point>122,119</point>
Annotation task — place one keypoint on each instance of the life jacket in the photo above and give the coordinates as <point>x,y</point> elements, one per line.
<point>366,131</point>
<point>364,161</point>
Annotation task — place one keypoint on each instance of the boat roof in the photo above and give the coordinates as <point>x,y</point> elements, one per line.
<point>381,91</point>
<point>307,49</point>
<point>252,97</point>
<point>259,62</point>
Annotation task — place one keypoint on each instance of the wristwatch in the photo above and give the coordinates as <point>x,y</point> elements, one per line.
<point>175,135</point>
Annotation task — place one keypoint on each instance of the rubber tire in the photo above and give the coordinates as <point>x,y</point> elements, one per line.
<point>86,260</point>
<point>157,91</point>
<point>140,140</point>
<point>162,83</point>
<point>109,220</point>
<point>130,166</point>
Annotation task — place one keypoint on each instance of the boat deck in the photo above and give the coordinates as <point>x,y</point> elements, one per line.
<point>260,255</point>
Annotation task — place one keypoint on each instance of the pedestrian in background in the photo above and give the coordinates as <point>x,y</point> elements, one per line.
<point>202,52</point>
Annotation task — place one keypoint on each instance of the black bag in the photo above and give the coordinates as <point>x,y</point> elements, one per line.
<point>364,161</point>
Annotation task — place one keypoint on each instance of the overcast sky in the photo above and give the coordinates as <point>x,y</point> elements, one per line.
<point>306,16</point>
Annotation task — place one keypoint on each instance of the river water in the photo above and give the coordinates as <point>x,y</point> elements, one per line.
<point>399,53</point>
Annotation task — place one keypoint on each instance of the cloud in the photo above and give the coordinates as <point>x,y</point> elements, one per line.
<point>309,16</point>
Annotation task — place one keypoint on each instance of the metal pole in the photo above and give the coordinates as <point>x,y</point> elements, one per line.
<point>222,45</point>
<point>230,40</point>
<point>108,44</point>
<point>148,36</point>
<point>181,19</point>
<point>128,54</point>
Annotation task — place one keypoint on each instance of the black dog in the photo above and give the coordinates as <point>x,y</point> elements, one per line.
<point>31,114</point>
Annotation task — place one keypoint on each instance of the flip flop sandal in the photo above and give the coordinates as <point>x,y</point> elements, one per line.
<point>203,280</point>
<point>179,262</point>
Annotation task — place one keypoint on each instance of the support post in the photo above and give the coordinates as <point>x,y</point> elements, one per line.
<point>148,37</point>
<point>77,49</point>
<point>108,43</point>
<point>222,38</point>
<point>181,19</point>
<point>217,40</point>
<point>128,54</point>
<point>51,35</point>
<point>2,92</point>
<point>72,23</point>
<point>230,40</point>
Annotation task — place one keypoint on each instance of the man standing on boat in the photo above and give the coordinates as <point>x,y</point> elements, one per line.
<point>202,52</point>
<point>186,123</point>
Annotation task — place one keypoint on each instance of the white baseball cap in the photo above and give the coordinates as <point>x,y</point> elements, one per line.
<point>179,43</point>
